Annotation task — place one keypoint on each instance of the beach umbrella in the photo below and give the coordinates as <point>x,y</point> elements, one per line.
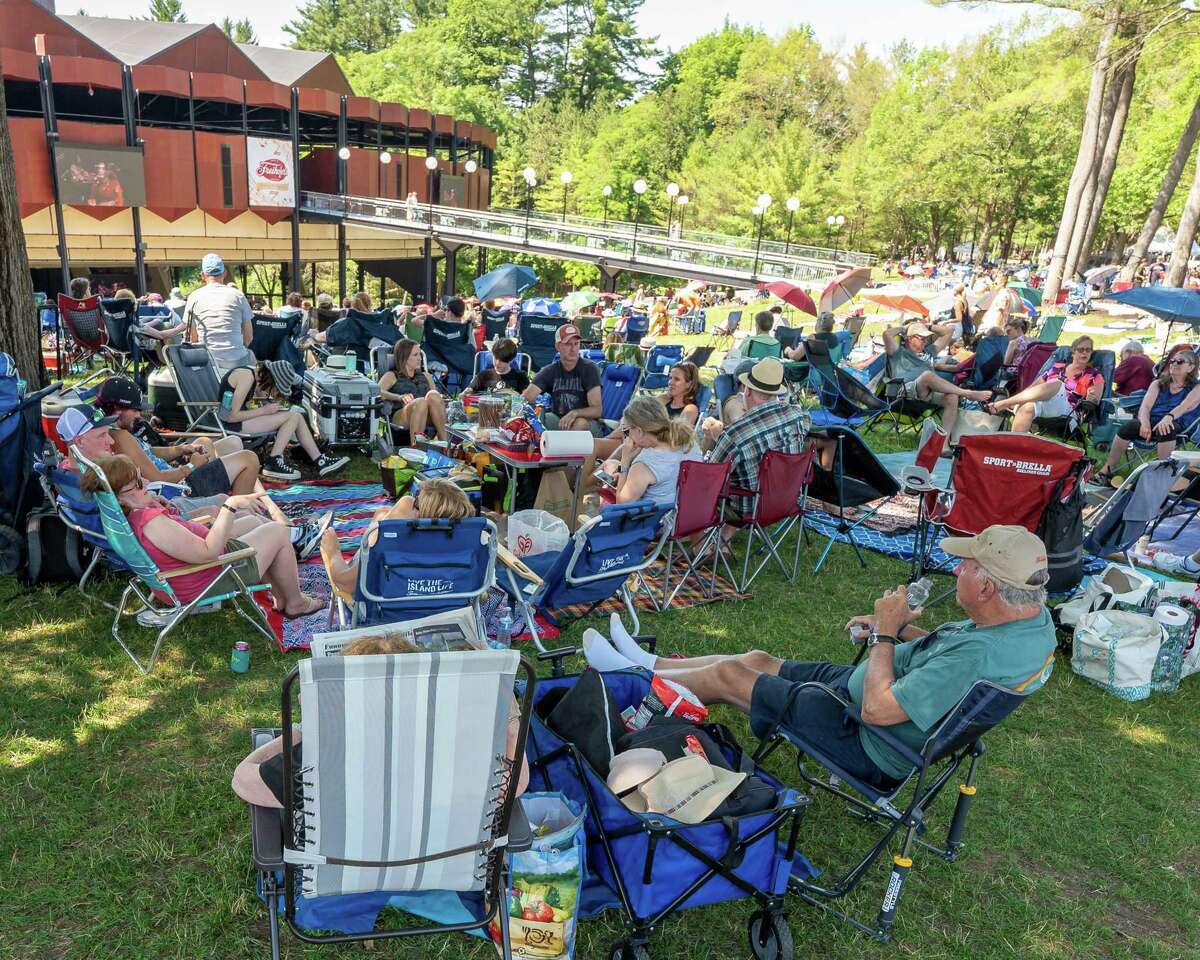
<point>579,300</point>
<point>542,307</point>
<point>796,296</point>
<point>842,288</point>
<point>945,301</point>
<point>1098,276</point>
<point>1027,293</point>
<point>507,280</point>
<point>1173,304</point>
<point>902,302</point>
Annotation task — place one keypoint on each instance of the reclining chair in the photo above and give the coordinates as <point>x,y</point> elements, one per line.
<point>404,787</point>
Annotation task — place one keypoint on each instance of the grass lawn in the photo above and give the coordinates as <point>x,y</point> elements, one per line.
<point>120,837</point>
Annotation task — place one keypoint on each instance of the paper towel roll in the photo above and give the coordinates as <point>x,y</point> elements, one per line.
<point>567,443</point>
<point>1171,615</point>
<point>1169,664</point>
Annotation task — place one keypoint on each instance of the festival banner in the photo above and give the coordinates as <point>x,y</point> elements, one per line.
<point>270,173</point>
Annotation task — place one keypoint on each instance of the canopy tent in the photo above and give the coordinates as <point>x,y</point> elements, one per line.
<point>842,288</point>
<point>507,280</point>
<point>796,296</point>
<point>902,302</point>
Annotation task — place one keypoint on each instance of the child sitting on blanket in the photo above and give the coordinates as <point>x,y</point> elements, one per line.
<point>437,499</point>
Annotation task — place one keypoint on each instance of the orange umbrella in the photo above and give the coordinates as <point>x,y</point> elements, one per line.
<point>904,303</point>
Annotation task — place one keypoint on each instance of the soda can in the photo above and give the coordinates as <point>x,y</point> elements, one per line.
<point>239,659</point>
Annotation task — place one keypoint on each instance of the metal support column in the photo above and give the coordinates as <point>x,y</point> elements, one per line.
<point>51,122</point>
<point>294,125</point>
<point>341,190</point>
<point>430,295</point>
<point>129,108</point>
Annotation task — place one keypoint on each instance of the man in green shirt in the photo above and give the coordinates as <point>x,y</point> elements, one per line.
<point>909,680</point>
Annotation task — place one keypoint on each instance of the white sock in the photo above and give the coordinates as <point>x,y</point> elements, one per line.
<point>600,654</point>
<point>625,645</point>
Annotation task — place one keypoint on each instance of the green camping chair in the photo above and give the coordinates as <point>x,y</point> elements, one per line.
<point>1051,329</point>
<point>757,349</point>
<point>414,331</point>
<point>159,606</point>
<point>624,353</point>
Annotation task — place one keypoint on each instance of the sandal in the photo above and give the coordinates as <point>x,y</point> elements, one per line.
<point>308,611</point>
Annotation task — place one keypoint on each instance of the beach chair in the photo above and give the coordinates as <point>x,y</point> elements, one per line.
<point>957,738</point>
<point>158,606</point>
<point>1051,329</point>
<point>594,566</point>
<point>416,568</point>
<point>404,786</point>
<point>842,400</point>
<point>450,344</point>
<point>723,332</point>
<point>485,361</point>
<point>659,361</point>
<point>535,336</point>
<point>618,383</point>
<point>200,391</point>
<point>637,327</point>
<point>776,509</point>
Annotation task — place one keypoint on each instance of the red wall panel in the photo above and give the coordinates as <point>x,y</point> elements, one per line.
<point>148,78</point>
<point>216,86</point>
<point>82,71</point>
<point>35,191</point>
<point>18,64</point>
<point>170,192</point>
<point>419,119</point>
<point>393,114</point>
<point>22,20</point>
<point>264,93</point>
<point>318,171</point>
<point>362,108</point>
<point>362,172</point>
<point>319,101</point>
<point>418,177</point>
<point>208,174</point>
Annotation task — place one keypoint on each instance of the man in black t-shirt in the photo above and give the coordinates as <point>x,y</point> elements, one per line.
<point>573,385</point>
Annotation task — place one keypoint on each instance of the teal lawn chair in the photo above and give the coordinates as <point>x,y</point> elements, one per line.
<point>1051,329</point>
<point>159,606</point>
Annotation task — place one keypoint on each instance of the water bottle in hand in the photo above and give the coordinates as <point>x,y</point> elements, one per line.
<point>918,593</point>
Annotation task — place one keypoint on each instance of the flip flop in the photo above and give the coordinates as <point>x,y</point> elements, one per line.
<point>320,605</point>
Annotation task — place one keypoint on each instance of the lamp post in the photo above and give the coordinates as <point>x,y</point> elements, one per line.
<point>639,187</point>
<point>566,179</point>
<point>470,167</point>
<point>530,182</point>
<point>793,204</point>
<point>607,192</point>
<point>430,166</point>
<point>682,200</point>
<point>760,211</point>
<point>672,193</point>
<point>835,224</point>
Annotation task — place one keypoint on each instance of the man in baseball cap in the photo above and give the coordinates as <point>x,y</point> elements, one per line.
<point>573,384</point>
<point>220,317</point>
<point>88,429</point>
<point>909,680</point>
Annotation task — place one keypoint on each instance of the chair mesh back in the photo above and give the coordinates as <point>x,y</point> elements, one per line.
<point>121,538</point>
<point>757,349</point>
<point>450,342</point>
<point>84,319</point>
<point>536,336</point>
<point>698,496</point>
<point>120,316</point>
<point>403,759</point>
<point>984,706</point>
<point>781,479</point>
<point>195,375</point>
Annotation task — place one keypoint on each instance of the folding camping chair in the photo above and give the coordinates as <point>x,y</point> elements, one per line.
<point>495,325</point>
<point>618,383</point>
<point>416,568</point>
<point>1032,363</point>
<point>450,344</point>
<point>158,605</point>
<point>405,786</point>
<point>777,507</point>
<point>757,349</point>
<point>85,322</point>
<point>629,353</point>
<point>723,332</point>
<point>200,389</point>
<point>659,361</point>
<point>956,738</point>
<point>536,334</point>
<point>636,328</point>
<point>121,325</point>
<point>1071,427</point>
<point>595,565</point>
<point>1051,329</point>
<point>989,362</point>
<point>904,408</point>
<point>589,328</point>
<point>485,361</point>
<point>843,401</point>
<point>1132,509</point>
<point>855,479</point>
<point>700,494</point>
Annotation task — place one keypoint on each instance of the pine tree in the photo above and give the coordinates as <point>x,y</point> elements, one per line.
<point>239,31</point>
<point>349,26</point>
<point>167,11</point>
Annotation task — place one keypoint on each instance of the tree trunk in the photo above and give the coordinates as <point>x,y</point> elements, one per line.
<point>1006,241</point>
<point>1108,161</point>
<point>19,327</point>
<point>985,238</point>
<point>1177,269</point>
<point>1170,181</point>
<point>1085,156</point>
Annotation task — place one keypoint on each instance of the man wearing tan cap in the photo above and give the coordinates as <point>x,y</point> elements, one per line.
<point>909,679</point>
<point>910,354</point>
<point>573,384</point>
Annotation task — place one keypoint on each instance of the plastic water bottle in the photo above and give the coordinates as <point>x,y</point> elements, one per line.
<point>504,628</point>
<point>918,592</point>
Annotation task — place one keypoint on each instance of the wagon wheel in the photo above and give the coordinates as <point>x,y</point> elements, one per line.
<point>770,936</point>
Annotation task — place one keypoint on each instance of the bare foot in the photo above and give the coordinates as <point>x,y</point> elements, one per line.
<point>331,552</point>
<point>980,395</point>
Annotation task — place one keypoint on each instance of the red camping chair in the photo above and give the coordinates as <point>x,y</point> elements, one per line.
<point>85,322</point>
<point>783,480</point>
<point>698,501</point>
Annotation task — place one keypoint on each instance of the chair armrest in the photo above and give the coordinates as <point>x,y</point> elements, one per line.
<point>202,403</point>
<point>266,837</point>
<point>222,561</point>
<point>885,734</point>
<point>520,834</point>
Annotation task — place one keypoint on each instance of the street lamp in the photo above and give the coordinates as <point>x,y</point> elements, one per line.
<point>760,211</point>
<point>385,157</point>
<point>343,153</point>
<point>470,167</point>
<point>682,200</point>
<point>639,187</point>
<point>672,193</point>
<point>566,179</point>
<point>607,191</point>
<point>530,183</point>
<point>793,204</point>
<point>430,166</point>
<point>835,225</point>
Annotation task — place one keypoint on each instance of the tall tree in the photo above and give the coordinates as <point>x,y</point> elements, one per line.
<point>1185,235</point>
<point>18,322</point>
<point>593,50</point>
<point>239,31</point>
<point>347,26</point>
<point>167,11</point>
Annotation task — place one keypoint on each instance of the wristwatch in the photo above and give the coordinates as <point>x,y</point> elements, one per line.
<point>875,638</point>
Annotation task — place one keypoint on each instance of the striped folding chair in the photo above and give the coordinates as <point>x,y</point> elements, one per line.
<point>404,785</point>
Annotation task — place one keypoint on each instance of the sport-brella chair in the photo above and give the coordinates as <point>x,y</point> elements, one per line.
<point>158,606</point>
<point>535,334</point>
<point>597,563</point>
<point>957,738</point>
<point>451,345</point>
<point>404,786</point>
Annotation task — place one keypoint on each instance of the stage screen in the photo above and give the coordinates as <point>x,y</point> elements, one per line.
<point>90,175</point>
<point>452,190</point>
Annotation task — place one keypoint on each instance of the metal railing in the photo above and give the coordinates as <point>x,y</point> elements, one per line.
<point>615,249</point>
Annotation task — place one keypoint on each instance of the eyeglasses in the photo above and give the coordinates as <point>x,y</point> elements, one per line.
<point>138,484</point>
<point>1082,350</point>
<point>1179,361</point>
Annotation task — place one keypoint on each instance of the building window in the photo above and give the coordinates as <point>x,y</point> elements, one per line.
<point>226,175</point>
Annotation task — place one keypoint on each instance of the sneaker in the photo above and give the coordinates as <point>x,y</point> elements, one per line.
<point>276,468</point>
<point>326,464</point>
<point>310,538</point>
<point>1176,564</point>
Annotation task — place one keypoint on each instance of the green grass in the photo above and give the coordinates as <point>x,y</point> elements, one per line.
<point>120,837</point>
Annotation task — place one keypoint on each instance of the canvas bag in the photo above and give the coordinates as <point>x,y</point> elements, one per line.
<point>1117,651</point>
<point>971,423</point>
<point>1117,583</point>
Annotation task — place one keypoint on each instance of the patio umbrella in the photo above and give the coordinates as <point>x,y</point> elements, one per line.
<point>796,296</point>
<point>1014,296</point>
<point>542,306</point>
<point>697,285</point>
<point>579,300</point>
<point>945,301</point>
<point>1027,293</point>
<point>842,288</point>
<point>1173,304</point>
<point>507,280</point>
<point>1098,276</point>
<point>902,302</point>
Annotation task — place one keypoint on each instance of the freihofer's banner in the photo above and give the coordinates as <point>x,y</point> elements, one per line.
<point>269,169</point>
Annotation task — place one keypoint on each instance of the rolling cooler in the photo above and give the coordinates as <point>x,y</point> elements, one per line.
<point>343,406</point>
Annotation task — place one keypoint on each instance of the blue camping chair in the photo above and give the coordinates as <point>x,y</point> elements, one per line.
<point>955,739</point>
<point>1103,360</point>
<point>659,361</point>
<point>843,401</point>
<point>638,326</point>
<point>618,383</point>
<point>989,362</point>
<point>450,344</point>
<point>416,568</point>
<point>625,539</point>
<point>495,324</point>
<point>484,361</point>
<point>536,334</point>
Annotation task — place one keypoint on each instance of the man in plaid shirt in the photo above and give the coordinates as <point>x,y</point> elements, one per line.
<point>767,424</point>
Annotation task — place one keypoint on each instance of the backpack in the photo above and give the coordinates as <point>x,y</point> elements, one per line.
<point>1061,530</point>
<point>55,552</point>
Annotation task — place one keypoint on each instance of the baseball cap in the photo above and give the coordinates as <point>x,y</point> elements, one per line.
<point>212,265</point>
<point>766,376</point>
<point>76,421</point>
<point>324,300</point>
<point>918,330</point>
<point>688,789</point>
<point>119,393</point>
<point>1007,553</point>
<point>568,331</point>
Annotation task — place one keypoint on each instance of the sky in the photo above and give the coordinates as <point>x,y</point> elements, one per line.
<point>877,23</point>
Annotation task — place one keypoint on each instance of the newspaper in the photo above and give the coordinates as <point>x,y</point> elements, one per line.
<point>437,633</point>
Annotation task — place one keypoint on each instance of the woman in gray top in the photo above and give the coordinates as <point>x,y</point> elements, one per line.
<point>647,465</point>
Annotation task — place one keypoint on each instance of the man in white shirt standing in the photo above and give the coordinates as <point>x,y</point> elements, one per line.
<point>220,317</point>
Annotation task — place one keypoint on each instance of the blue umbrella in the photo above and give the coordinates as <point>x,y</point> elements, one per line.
<point>1173,304</point>
<point>542,306</point>
<point>507,280</point>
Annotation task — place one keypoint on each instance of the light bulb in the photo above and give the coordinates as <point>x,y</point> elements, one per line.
<point>793,204</point>
<point>831,220</point>
<point>529,173</point>
<point>757,211</point>
<point>431,163</point>
<point>566,177</point>
<point>672,189</point>
<point>840,220</point>
<point>471,166</point>
<point>639,187</point>
<point>764,200</point>
<point>683,199</point>
<point>607,191</point>
<point>344,153</point>
<point>385,157</point>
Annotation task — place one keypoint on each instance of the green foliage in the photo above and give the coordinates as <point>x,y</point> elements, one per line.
<point>239,31</point>
<point>166,11</point>
<point>348,26</point>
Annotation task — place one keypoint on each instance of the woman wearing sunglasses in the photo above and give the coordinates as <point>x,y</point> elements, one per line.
<point>1059,392</point>
<point>1171,404</point>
